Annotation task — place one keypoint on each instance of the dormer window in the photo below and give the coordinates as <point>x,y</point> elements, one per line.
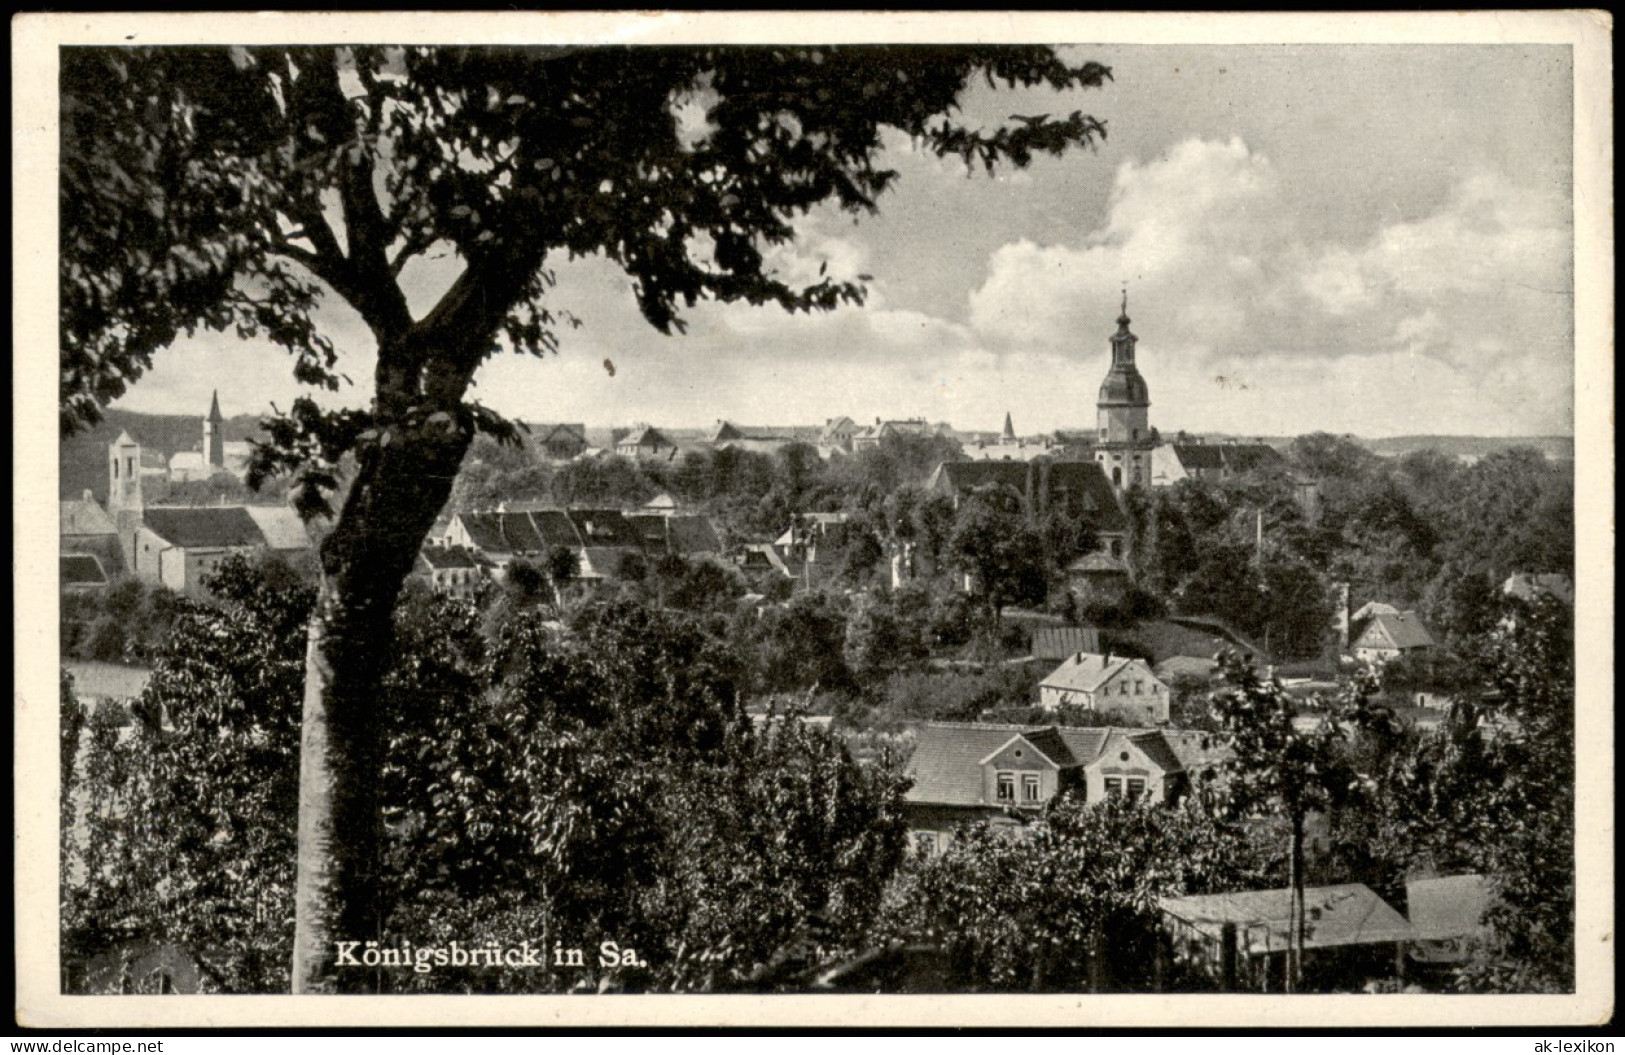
<point>1029,787</point>
<point>1006,787</point>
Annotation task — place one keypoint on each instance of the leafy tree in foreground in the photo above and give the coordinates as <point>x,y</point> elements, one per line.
<point>1058,908</point>
<point>237,188</point>
<point>598,784</point>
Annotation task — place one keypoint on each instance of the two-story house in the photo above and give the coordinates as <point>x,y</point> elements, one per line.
<point>1004,775</point>
<point>1106,683</point>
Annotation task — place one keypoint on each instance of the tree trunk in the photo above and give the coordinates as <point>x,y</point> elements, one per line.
<point>399,489</point>
<point>1294,950</point>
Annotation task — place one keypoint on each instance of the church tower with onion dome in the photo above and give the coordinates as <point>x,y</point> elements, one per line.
<point>1123,446</point>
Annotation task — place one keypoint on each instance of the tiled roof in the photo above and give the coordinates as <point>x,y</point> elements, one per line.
<point>204,527</point>
<point>947,761</point>
<point>80,569</point>
<point>1085,744</point>
<point>1156,748</point>
<point>441,558</point>
<point>1082,485</point>
<point>690,535</point>
<point>1198,456</point>
<point>1245,457</point>
<point>1058,642</point>
<point>82,516</point>
<point>647,436</point>
<point>484,531</point>
<point>554,528</point>
<point>1053,745</point>
<point>651,528</point>
<point>604,527</point>
<point>281,526</point>
<point>1345,914</point>
<point>1085,672</point>
<point>1403,629</point>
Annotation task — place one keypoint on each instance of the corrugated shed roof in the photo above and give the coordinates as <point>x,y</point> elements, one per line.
<point>80,569</point>
<point>1058,642</point>
<point>1448,906</point>
<point>281,526</point>
<point>204,527</point>
<point>1344,914</point>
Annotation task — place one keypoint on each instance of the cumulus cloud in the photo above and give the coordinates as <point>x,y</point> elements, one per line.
<point>1224,281</point>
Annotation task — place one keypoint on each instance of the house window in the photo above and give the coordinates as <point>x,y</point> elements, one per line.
<point>1122,688</point>
<point>1139,687</point>
<point>925,843</point>
<point>1114,787</point>
<point>1029,787</point>
<point>1006,787</point>
<point>1136,787</point>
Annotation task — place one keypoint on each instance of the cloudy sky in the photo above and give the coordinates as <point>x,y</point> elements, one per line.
<point>1368,239</point>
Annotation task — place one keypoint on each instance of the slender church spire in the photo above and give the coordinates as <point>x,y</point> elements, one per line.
<point>1009,427</point>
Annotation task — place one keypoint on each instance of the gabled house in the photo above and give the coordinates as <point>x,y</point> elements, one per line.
<point>837,436</point>
<point>451,570</point>
<point>1099,682</point>
<point>763,439</point>
<point>1390,634</point>
<point>178,546</point>
<point>1005,775</point>
<point>85,527</point>
<point>874,434</point>
<point>559,442</point>
<point>501,537</point>
<point>645,441</point>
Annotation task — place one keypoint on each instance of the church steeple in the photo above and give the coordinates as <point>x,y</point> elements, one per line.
<point>1009,429</point>
<point>1123,447</point>
<point>214,437</point>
